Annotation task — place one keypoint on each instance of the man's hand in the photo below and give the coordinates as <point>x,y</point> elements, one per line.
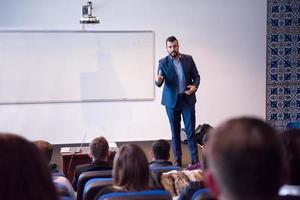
<point>159,78</point>
<point>191,89</point>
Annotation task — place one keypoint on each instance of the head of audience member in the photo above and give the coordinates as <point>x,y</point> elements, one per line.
<point>99,149</point>
<point>160,150</point>
<point>291,140</point>
<point>245,160</point>
<point>23,171</point>
<point>131,170</point>
<point>46,148</point>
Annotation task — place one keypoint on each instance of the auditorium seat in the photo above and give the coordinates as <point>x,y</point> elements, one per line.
<point>201,193</point>
<point>62,189</point>
<point>144,195</point>
<point>86,176</point>
<point>293,125</point>
<point>66,198</point>
<point>93,186</point>
<point>164,169</point>
<point>289,197</point>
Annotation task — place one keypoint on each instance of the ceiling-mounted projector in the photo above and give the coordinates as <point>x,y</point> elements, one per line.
<point>87,16</point>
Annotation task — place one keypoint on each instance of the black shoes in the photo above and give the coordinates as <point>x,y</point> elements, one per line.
<point>178,163</point>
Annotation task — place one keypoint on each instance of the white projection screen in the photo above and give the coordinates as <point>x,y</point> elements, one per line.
<point>76,66</point>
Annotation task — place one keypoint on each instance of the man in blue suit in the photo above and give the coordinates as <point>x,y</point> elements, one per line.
<point>181,79</point>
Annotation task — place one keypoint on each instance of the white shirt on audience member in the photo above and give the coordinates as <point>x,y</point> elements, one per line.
<point>64,181</point>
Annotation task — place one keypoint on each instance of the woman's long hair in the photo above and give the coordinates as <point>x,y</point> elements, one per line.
<point>131,170</point>
<point>23,171</point>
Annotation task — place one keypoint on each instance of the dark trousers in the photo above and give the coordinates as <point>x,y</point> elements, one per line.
<point>188,113</point>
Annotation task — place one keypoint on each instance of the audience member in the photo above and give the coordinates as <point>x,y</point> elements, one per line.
<point>130,171</point>
<point>245,161</point>
<point>194,186</point>
<point>24,174</point>
<point>202,164</point>
<point>291,140</point>
<point>161,153</point>
<point>47,150</point>
<point>57,176</point>
<point>99,151</point>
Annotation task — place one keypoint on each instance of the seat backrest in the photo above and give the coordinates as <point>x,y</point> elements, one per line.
<point>289,197</point>
<point>66,198</point>
<point>95,185</point>
<point>143,195</point>
<point>293,125</point>
<point>86,176</point>
<point>164,169</point>
<point>62,189</point>
<point>200,193</point>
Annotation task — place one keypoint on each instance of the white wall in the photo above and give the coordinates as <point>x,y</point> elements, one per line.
<point>226,38</point>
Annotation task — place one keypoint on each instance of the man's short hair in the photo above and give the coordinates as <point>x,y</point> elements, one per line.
<point>99,148</point>
<point>171,39</point>
<point>245,156</point>
<point>46,148</point>
<point>161,149</point>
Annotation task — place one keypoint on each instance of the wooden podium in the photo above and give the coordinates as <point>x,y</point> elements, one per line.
<point>71,160</point>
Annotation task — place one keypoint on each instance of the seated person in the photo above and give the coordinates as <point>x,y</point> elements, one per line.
<point>193,186</point>
<point>23,171</point>
<point>47,150</point>
<point>99,151</point>
<point>57,176</point>
<point>291,140</point>
<point>160,153</point>
<point>245,160</point>
<point>202,164</point>
<point>130,171</point>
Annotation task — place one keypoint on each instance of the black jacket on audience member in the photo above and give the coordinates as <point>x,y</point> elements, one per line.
<point>94,166</point>
<point>159,163</point>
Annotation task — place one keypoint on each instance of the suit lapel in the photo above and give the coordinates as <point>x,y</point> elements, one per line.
<point>171,68</point>
<point>184,65</point>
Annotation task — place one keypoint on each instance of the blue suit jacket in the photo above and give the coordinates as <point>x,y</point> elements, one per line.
<point>170,91</point>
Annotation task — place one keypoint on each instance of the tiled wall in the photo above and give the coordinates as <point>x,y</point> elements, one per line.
<point>283,62</point>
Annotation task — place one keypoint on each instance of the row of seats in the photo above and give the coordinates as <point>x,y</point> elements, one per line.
<point>86,176</point>
<point>145,195</point>
<point>89,183</point>
<point>94,185</point>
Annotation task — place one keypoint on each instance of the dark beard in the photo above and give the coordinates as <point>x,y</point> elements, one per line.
<point>174,55</point>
